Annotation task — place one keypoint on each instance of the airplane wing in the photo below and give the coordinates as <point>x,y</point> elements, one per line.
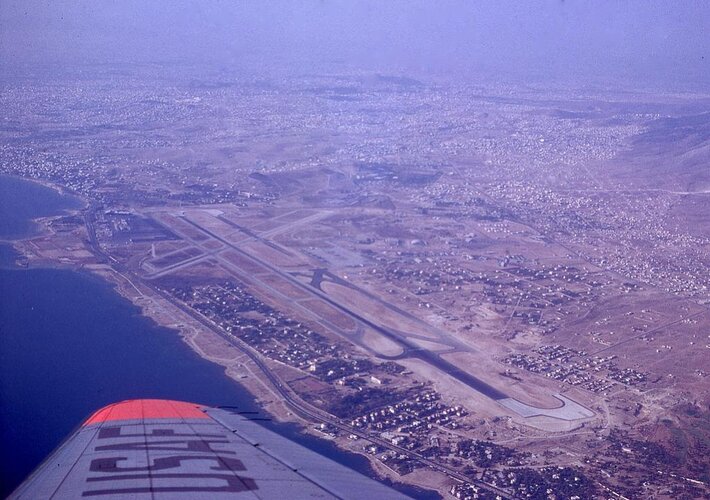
<point>151,448</point>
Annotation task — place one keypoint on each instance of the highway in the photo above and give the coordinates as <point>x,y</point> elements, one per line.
<point>299,407</point>
<point>411,350</point>
<point>311,413</point>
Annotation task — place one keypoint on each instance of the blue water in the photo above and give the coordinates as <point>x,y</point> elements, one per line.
<point>69,344</point>
<point>22,201</point>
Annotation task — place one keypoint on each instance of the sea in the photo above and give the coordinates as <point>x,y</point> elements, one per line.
<point>70,344</point>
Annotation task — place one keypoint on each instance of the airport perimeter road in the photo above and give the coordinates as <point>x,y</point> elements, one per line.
<point>410,350</point>
<point>299,407</point>
<point>311,413</point>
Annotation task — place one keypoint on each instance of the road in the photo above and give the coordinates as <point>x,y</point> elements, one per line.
<point>298,406</point>
<point>311,413</point>
<point>411,350</point>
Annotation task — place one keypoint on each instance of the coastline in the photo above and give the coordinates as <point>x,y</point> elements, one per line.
<point>36,226</point>
<point>201,340</point>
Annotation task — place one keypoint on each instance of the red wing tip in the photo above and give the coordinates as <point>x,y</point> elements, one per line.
<point>144,409</point>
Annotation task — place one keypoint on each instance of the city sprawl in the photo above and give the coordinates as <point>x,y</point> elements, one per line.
<point>491,290</point>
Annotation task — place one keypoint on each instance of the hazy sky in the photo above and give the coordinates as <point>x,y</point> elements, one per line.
<point>649,40</point>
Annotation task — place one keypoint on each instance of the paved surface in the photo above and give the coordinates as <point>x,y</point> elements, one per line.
<point>568,410</point>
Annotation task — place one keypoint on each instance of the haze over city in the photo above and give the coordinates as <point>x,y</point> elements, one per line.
<point>652,42</point>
